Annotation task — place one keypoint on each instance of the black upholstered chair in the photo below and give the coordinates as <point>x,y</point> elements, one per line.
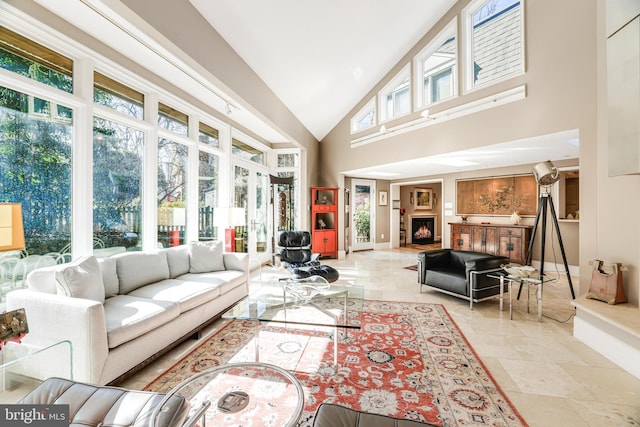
<point>297,257</point>
<point>464,274</point>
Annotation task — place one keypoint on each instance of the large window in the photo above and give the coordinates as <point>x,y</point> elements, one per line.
<point>435,69</point>
<point>35,165</point>
<point>124,182</point>
<point>117,184</point>
<point>286,196</point>
<point>207,195</point>
<point>395,98</point>
<point>495,41</point>
<point>172,197</point>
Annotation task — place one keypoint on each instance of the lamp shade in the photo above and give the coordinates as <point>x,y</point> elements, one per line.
<point>546,173</point>
<point>11,227</point>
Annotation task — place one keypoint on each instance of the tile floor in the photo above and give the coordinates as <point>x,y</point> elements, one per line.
<point>551,378</point>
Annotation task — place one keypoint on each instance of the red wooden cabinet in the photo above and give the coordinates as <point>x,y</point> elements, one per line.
<point>324,221</point>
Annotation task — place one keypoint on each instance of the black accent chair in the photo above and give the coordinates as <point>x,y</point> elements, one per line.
<point>333,415</point>
<point>463,274</point>
<point>297,257</point>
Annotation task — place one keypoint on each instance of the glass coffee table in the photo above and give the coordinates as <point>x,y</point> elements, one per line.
<point>536,281</point>
<point>310,301</point>
<point>248,393</point>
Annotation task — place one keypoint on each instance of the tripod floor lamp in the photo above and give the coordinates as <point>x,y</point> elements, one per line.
<point>546,175</point>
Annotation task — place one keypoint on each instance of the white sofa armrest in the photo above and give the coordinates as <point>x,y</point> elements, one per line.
<point>238,261</point>
<point>54,318</point>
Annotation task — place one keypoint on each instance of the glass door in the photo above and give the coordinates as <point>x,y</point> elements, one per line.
<point>250,194</point>
<point>363,214</point>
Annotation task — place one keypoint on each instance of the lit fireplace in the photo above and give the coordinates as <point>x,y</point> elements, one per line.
<point>422,230</point>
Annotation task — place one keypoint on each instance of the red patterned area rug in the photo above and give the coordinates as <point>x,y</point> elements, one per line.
<point>407,361</point>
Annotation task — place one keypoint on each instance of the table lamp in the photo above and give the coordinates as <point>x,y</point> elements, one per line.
<point>11,227</point>
<point>229,218</point>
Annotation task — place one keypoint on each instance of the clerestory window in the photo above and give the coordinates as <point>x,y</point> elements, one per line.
<point>365,118</point>
<point>435,69</point>
<point>495,40</point>
<point>395,98</point>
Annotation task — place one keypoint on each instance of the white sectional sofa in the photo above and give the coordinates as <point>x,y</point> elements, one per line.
<point>121,311</point>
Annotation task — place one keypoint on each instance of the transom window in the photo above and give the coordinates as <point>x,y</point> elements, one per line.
<point>115,95</point>
<point>495,41</point>
<point>30,59</point>
<point>208,135</point>
<point>288,160</point>
<point>247,152</point>
<point>173,120</point>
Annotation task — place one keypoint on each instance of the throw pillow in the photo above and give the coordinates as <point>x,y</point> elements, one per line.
<point>81,278</point>
<point>206,256</point>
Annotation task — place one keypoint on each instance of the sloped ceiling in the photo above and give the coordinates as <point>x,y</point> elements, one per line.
<point>321,58</point>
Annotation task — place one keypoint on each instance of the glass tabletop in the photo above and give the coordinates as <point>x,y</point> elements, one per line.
<point>250,393</point>
<point>533,279</point>
<point>294,302</point>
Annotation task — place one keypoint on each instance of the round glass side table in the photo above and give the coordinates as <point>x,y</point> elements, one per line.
<point>236,393</point>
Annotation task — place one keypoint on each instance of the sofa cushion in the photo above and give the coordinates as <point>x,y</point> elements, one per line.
<point>81,278</point>
<point>43,279</point>
<point>136,269</point>
<point>206,256</point>
<point>178,260</point>
<point>109,276</point>
<point>187,294</point>
<point>449,279</point>
<point>128,317</point>
<point>226,280</point>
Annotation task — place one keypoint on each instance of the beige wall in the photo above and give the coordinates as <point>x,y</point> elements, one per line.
<point>564,79</point>
<point>614,229</point>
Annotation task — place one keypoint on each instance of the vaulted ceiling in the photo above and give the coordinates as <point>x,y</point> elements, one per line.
<point>321,58</point>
